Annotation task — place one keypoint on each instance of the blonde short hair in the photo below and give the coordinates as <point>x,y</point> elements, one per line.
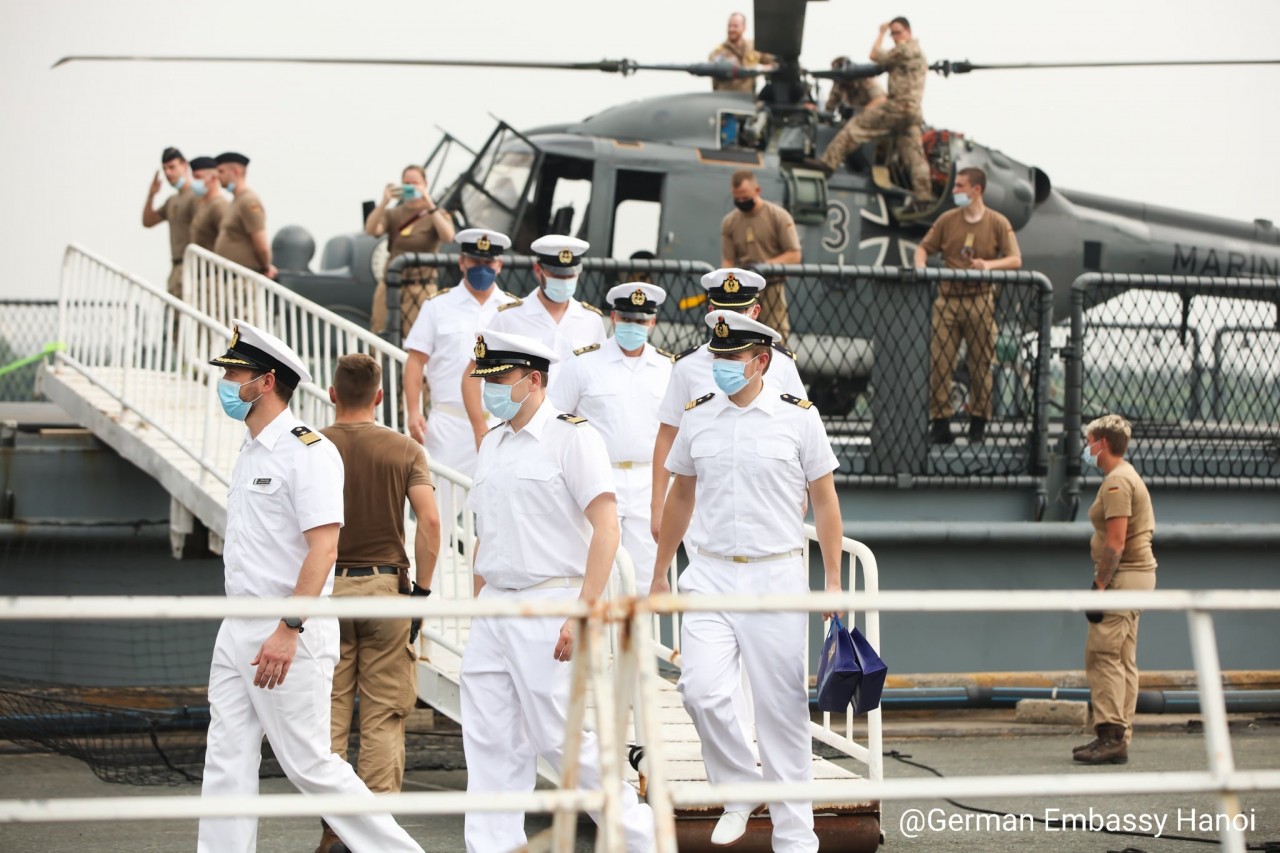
<point>1114,430</point>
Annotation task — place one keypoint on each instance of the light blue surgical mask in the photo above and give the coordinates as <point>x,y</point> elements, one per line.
<point>561,289</point>
<point>482,278</point>
<point>631,336</point>
<point>960,199</point>
<point>180,183</point>
<point>199,189</point>
<point>229,397</point>
<point>730,376</point>
<point>497,399</point>
<point>1087,459</point>
<point>231,187</point>
<point>408,192</point>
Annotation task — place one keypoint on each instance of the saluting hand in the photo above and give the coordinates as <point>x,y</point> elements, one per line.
<point>275,657</point>
<point>564,647</point>
<point>155,183</point>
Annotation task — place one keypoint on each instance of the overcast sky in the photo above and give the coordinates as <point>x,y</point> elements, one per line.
<point>80,144</point>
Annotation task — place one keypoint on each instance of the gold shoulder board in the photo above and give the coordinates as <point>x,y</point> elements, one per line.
<point>571,419</point>
<point>666,354</point>
<point>693,404</point>
<point>796,401</point>
<point>586,349</point>
<point>305,435</point>
<point>510,305</point>
<point>591,307</point>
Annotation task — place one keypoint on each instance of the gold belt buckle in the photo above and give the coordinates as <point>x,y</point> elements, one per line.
<point>738,559</point>
<point>625,466</point>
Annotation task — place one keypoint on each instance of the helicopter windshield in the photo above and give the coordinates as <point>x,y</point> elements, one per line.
<point>494,191</point>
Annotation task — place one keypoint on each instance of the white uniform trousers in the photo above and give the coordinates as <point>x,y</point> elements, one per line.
<point>515,701</point>
<point>634,488</point>
<point>450,442</point>
<point>770,646</point>
<point>295,718</point>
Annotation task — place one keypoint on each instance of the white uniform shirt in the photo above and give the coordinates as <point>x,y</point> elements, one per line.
<point>579,327</point>
<point>691,378</point>
<point>529,495</point>
<point>753,465</point>
<point>281,487</point>
<point>445,331</point>
<point>618,395</point>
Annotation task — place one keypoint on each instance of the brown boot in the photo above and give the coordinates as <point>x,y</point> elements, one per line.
<point>1109,749</point>
<point>330,842</point>
<point>1086,747</point>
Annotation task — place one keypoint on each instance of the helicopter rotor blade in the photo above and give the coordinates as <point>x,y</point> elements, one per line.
<point>948,67</point>
<point>612,66</point>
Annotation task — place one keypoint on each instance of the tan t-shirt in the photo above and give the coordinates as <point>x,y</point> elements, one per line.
<point>244,218</point>
<point>177,210</point>
<point>743,54</point>
<point>989,238</point>
<point>1122,493</point>
<point>381,466</point>
<point>406,234</point>
<point>208,220</point>
<point>753,238</point>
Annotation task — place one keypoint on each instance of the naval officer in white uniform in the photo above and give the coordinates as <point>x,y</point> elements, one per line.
<point>441,341</point>
<point>728,289</point>
<point>547,525</point>
<point>617,386</point>
<point>743,461</point>
<point>550,314</point>
<point>271,676</point>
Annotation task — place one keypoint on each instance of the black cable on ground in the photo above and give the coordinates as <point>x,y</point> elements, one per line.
<point>1265,847</point>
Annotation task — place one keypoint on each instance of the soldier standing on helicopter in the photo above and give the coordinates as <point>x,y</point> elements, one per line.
<point>899,115</point>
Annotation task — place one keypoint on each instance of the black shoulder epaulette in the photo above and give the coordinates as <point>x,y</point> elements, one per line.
<point>780,348</point>
<point>588,348</point>
<point>591,307</point>
<point>690,351</point>
<point>510,305</point>
<point>571,419</point>
<point>666,354</point>
<point>796,401</point>
<point>305,435</point>
<point>693,404</point>
<point>492,428</point>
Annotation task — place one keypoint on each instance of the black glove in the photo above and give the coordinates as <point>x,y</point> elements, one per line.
<point>1094,616</point>
<point>415,626</point>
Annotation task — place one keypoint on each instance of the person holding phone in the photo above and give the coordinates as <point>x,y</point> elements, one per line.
<point>415,224</point>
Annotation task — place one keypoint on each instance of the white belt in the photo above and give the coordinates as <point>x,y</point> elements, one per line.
<point>552,583</point>
<point>449,409</point>
<point>628,465</point>
<point>795,552</point>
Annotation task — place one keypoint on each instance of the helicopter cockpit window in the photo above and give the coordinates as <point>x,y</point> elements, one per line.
<point>501,179</point>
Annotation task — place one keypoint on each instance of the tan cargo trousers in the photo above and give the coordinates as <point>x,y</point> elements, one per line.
<point>970,318</point>
<point>773,308</point>
<point>376,660</point>
<point>1111,658</point>
<point>901,120</point>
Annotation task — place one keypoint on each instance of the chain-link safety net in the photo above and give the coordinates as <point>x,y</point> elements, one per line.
<point>26,328</point>
<point>866,350</point>
<point>1193,364</point>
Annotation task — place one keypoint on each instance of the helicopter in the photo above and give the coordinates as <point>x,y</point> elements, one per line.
<point>670,158</point>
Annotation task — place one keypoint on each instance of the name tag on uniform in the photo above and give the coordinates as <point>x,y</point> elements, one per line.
<point>262,481</point>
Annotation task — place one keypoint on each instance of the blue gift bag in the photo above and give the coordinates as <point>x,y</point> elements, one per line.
<point>838,670</point>
<point>866,696</point>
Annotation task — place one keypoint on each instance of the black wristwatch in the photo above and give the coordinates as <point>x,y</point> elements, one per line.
<point>422,591</point>
<point>293,622</point>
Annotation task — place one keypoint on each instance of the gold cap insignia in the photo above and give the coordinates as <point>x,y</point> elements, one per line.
<point>566,256</point>
<point>638,298</point>
<point>722,329</point>
<point>481,350</point>
<point>235,338</point>
<point>483,244</point>
<point>731,284</point>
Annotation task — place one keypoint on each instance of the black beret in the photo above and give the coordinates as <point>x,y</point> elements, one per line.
<point>171,153</point>
<point>199,163</point>
<point>232,157</point>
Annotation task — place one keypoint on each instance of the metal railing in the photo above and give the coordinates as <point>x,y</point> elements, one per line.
<point>1217,428</point>
<point>638,668</point>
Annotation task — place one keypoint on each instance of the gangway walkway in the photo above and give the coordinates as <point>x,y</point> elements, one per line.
<point>134,371</point>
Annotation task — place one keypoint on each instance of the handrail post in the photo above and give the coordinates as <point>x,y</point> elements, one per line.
<point>1217,737</point>
<point>564,825</point>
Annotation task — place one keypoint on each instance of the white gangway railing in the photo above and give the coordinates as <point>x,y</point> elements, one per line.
<point>613,688</point>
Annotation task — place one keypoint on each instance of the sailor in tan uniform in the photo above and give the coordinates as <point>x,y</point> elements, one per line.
<point>177,210</point>
<point>242,236</point>
<point>211,202</point>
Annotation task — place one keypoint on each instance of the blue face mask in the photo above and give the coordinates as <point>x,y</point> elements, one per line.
<point>497,399</point>
<point>199,189</point>
<point>408,192</point>
<point>482,278</point>
<point>180,183</point>
<point>730,376</point>
<point>231,187</point>
<point>561,289</point>
<point>960,199</point>
<point>630,336</point>
<point>1087,459</point>
<point>229,397</point>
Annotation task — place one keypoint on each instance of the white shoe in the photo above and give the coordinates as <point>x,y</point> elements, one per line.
<point>730,828</point>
